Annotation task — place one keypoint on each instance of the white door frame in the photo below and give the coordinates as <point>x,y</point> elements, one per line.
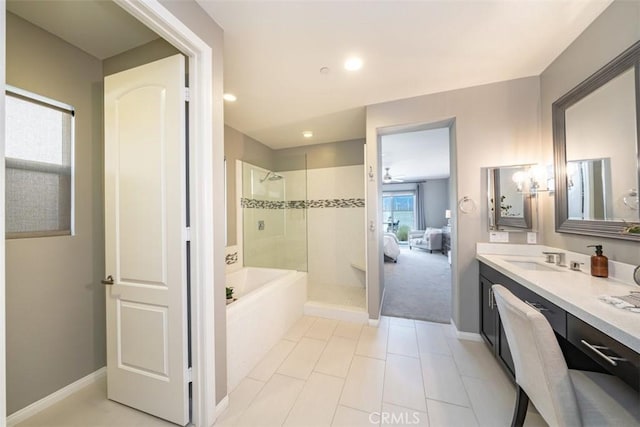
<point>159,19</point>
<point>3,348</point>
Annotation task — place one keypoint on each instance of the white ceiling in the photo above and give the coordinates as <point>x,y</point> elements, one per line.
<point>100,28</point>
<point>274,51</point>
<point>417,156</point>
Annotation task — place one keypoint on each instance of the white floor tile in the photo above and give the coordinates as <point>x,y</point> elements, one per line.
<point>300,328</point>
<point>431,338</point>
<point>349,417</point>
<point>373,342</point>
<point>336,357</point>
<point>397,416</point>
<point>448,329</point>
<point>90,407</point>
<point>239,400</point>
<point>270,363</point>
<point>384,322</point>
<point>474,359</point>
<point>402,340</point>
<point>302,359</point>
<point>317,402</point>
<point>443,414</point>
<point>349,330</point>
<point>322,329</point>
<point>442,380</point>
<point>399,321</point>
<point>364,384</point>
<point>403,382</point>
<point>272,405</point>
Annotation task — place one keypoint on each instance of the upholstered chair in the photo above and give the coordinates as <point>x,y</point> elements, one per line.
<point>562,396</point>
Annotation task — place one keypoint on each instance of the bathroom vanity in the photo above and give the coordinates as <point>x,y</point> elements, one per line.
<point>593,335</point>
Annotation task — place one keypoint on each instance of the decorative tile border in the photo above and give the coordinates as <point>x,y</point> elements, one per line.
<point>336,203</point>
<point>302,204</point>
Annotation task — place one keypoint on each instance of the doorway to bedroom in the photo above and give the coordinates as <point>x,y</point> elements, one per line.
<point>416,223</point>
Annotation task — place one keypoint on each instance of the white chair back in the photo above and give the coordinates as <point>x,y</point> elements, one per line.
<point>541,370</point>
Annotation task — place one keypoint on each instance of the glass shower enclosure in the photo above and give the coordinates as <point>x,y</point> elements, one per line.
<point>274,215</point>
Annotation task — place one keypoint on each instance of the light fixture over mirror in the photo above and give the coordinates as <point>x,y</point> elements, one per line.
<point>510,190</point>
<point>596,151</point>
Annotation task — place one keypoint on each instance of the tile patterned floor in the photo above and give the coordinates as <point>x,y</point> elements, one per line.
<point>404,372</point>
<point>331,373</point>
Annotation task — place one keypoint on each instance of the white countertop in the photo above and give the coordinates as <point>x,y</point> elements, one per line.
<point>576,292</point>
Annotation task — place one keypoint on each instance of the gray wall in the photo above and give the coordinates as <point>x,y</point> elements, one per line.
<point>436,201</point>
<point>238,146</point>
<point>194,17</point>
<point>55,302</point>
<point>617,28</point>
<point>328,155</point>
<point>494,124</point>
<point>148,52</point>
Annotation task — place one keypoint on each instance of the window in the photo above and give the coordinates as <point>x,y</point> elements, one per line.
<point>399,206</point>
<point>39,166</point>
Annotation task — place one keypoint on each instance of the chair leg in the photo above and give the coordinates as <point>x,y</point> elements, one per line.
<point>520,411</point>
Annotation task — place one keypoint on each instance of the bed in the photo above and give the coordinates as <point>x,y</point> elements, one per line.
<point>391,247</point>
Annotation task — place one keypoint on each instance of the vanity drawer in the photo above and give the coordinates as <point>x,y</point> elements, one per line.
<point>556,316</point>
<point>605,351</point>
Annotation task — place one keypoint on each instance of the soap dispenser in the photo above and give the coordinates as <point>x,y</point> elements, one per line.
<point>599,263</point>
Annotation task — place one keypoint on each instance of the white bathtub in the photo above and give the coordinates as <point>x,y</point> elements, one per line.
<point>269,302</point>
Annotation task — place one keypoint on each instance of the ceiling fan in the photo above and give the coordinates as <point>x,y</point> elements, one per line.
<point>387,178</point>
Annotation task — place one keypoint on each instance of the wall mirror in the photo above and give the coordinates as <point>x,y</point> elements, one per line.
<point>595,140</point>
<point>509,195</point>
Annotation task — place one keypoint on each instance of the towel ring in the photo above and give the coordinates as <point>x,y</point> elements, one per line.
<point>466,205</point>
<point>631,199</point>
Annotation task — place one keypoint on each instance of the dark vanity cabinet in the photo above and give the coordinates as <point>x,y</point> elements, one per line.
<point>490,325</point>
<point>584,347</point>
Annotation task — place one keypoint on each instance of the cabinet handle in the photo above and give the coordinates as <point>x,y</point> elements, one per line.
<point>491,303</point>
<point>613,360</point>
<point>536,306</point>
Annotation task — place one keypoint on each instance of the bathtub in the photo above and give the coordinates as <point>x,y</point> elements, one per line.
<point>269,302</point>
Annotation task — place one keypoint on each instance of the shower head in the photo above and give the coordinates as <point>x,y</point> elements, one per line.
<point>271,176</point>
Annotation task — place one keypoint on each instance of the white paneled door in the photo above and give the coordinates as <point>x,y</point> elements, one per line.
<point>146,239</point>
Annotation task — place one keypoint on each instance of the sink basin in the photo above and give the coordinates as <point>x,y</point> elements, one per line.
<point>532,265</point>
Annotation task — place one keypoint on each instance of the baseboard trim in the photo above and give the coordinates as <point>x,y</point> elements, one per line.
<point>376,322</point>
<point>468,336</point>
<point>221,407</point>
<point>54,397</point>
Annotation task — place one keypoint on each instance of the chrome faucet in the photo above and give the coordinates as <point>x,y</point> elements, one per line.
<point>557,257</point>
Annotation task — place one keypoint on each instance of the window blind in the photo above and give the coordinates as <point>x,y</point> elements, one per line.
<point>39,166</point>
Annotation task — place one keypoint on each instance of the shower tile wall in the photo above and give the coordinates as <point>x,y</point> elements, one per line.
<point>294,252</point>
<point>336,234</point>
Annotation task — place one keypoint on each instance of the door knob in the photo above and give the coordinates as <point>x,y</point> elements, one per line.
<point>108,280</point>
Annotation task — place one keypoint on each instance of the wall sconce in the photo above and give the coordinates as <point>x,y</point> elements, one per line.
<point>530,181</point>
<point>520,179</point>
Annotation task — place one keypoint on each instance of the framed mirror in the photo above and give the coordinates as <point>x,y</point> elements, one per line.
<point>509,197</point>
<point>596,151</point>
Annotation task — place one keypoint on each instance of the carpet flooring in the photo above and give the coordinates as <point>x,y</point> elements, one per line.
<point>418,286</point>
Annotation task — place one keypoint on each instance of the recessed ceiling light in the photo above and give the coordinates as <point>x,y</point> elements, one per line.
<point>353,64</point>
<point>229,97</point>
<point>307,134</point>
